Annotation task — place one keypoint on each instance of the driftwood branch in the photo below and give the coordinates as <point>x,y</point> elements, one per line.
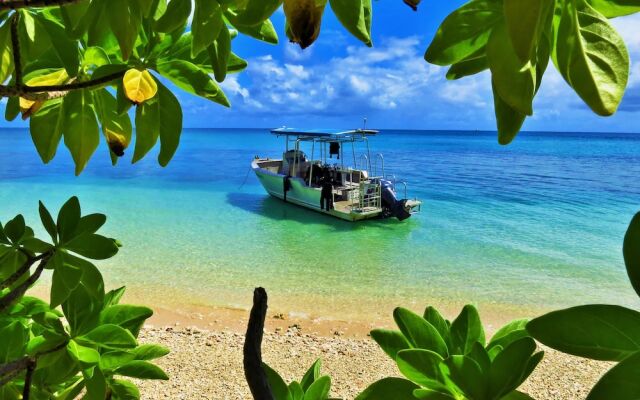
<point>253,372</point>
<point>16,4</point>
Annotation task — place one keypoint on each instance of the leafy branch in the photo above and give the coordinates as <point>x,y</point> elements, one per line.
<point>15,294</point>
<point>17,4</point>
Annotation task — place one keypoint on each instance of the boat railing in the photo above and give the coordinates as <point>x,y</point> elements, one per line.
<point>364,166</point>
<point>379,157</point>
<point>370,196</point>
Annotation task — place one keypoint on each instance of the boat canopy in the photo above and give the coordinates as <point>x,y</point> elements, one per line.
<point>324,134</point>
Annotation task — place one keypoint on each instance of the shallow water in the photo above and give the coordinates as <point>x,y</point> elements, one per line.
<point>535,225</point>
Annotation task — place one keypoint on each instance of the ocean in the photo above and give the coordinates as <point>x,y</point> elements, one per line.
<point>535,225</point>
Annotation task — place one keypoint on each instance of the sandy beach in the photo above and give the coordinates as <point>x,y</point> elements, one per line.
<point>207,363</point>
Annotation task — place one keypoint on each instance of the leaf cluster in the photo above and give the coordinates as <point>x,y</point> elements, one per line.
<point>312,386</point>
<point>82,339</point>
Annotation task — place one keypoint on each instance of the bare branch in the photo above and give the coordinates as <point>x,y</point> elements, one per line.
<point>16,293</point>
<point>16,4</point>
<point>253,371</point>
<point>26,391</point>
<point>24,268</point>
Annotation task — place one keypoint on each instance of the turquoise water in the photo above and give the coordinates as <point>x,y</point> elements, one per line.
<point>535,225</point>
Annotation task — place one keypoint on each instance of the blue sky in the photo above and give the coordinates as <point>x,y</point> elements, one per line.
<point>338,81</point>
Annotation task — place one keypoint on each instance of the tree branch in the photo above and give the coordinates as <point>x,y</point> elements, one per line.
<point>24,268</point>
<point>253,371</point>
<point>8,300</point>
<point>11,369</point>
<point>16,4</point>
<point>15,47</point>
<point>26,391</point>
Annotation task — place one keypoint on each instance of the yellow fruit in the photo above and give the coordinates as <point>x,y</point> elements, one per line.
<point>304,18</point>
<point>139,86</point>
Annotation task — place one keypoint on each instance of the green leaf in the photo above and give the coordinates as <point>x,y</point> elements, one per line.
<point>93,246</point>
<point>525,20</point>
<point>355,16</point>
<point>170,124</point>
<point>81,310</point>
<point>296,391</point>
<point>509,120</point>
<point>124,20</point>
<point>391,342</point>
<point>422,367</point>
<point>509,333</point>
<point>64,280</point>
<point>141,370</point>
<point>89,224</point>
<point>95,57</point>
<point>428,394</point>
<point>207,22</point>
<point>620,382</point>
<point>126,316</point>
<point>219,53</point>
<point>114,359</point>
<point>15,228</point>
<point>480,355</point>
<point>110,336</point>
<point>475,63</point>
<point>592,57</point>
<point>509,366</point>
<point>437,320</point>
<point>389,388</point>
<point>116,127</point>
<point>86,356</point>
<point>600,332</point>
<point>47,221</point>
<point>516,395</point>
<point>514,81</point>
<point>615,8</point>
<point>149,352</point>
<point>176,15</point>
<point>311,375</point>
<point>278,386</point>
<point>80,127</point>
<point>147,128</point>
<point>319,390</point>
<point>631,252</point>
<point>254,12</point>
<point>464,32</point>
<point>466,329</point>
<point>464,373</point>
<point>264,31</point>
<point>418,332</point>
<point>125,390</point>
<point>91,278</point>
<point>65,47</point>
<point>113,296</point>
<point>6,54</point>
<point>96,386</point>
<point>46,129</point>
<point>14,340</point>
<point>192,79</point>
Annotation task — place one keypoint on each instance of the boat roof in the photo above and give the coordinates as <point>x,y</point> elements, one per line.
<point>324,133</point>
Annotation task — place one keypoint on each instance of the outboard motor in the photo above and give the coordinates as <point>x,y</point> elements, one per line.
<point>390,203</point>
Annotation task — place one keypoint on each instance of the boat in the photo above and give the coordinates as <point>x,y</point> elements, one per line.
<point>328,185</point>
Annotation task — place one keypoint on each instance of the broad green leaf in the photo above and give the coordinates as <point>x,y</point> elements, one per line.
<point>437,320</point>
<point>116,127</point>
<point>631,252</point>
<point>391,342</point>
<point>389,388</point>
<point>465,374</point>
<point>207,22</point>
<point>96,386</point>
<point>86,356</point>
<point>65,47</point>
<point>141,370</point>
<point>514,81</point>
<point>46,130</point>
<point>600,332</point>
<point>93,246</point>
<point>82,310</point>
<point>147,128</point>
<point>620,382</point>
<point>40,78</point>
<point>95,57</point>
<point>114,359</point>
<point>311,375</point>
<point>254,12</point>
<point>80,127</point>
<point>480,355</point>
<point>465,330</point>
<point>471,65</point>
<point>508,368</point>
<point>219,53</point>
<point>264,31</point>
<point>278,386</point>
<point>149,352</point>
<point>319,389</point>
<point>418,332</point>
<point>296,391</point>
<point>615,8</point>
<point>592,57</point>
<point>176,15</point>
<point>422,367</point>
<point>68,218</point>
<point>91,278</point>
<point>14,340</point>
<point>428,394</point>
<point>124,20</point>
<point>139,85</point>
<point>113,296</point>
<point>110,336</point>
<point>15,228</point>
<point>464,32</point>
<point>47,221</point>
<point>355,15</point>
<point>525,20</point>
<point>125,390</point>
<point>192,79</point>
<point>6,54</point>
<point>64,280</point>
<point>508,119</point>
<point>126,316</point>
<point>170,124</point>
<point>509,333</point>
<point>235,63</point>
